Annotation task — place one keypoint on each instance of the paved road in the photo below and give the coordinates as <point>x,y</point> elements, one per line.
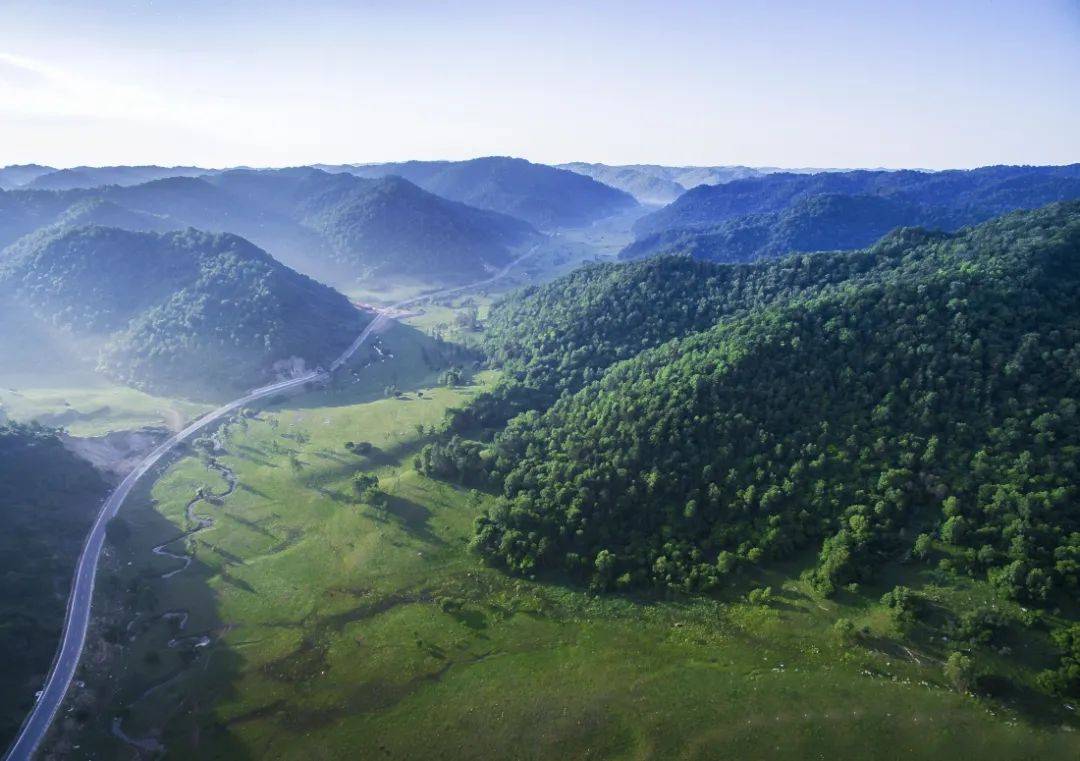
<point>82,592</point>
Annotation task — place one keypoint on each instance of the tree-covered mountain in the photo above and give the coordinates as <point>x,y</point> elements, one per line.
<point>178,202</point>
<point>813,223</point>
<point>658,184</point>
<point>542,195</point>
<point>648,187</point>
<point>188,313</point>
<point>17,175</point>
<point>99,176</point>
<point>375,227</point>
<point>984,192</point>
<point>103,213</point>
<point>555,338</point>
<point>334,226</point>
<point>932,393</point>
<point>48,499</point>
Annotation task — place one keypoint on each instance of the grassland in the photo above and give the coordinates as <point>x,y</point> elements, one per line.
<point>338,629</point>
<point>90,406</point>
<point>311,624</point>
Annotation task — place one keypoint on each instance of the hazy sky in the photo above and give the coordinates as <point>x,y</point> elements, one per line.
<point>922,84</point>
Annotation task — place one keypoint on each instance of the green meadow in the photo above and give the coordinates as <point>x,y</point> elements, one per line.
<point>92,407</point>
<point>323,624</point>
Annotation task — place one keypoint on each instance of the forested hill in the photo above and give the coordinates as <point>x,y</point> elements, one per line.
<point>386,226</point>
<point>645,186</point>
<point>783,213</point>
<point>657,184</point>
<point>542,195</point>
<point>187,313</point>
<point>17,175</point>
<point>988,191</point>
<point>815,223</point>
<point>937,397</point>
<point>100,176</point>
<point>337,227</point>
<point>48,499</point>
<point>557,337</point>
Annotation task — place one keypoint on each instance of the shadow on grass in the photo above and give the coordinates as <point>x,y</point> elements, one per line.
<point>158,681</point>
<point>417,361</point>
<point>412,518</point>
<point>251,454</point>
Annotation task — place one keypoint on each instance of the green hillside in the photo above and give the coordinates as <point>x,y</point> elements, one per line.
<point>384,227</point>
<point>818,223</point>
<point>48,499</point>
<point>186,312</point>
<point>542,195</point>
<point>336,227</point>
<point>934,397</point>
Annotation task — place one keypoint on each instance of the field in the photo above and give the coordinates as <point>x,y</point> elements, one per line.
<point>319,626</point>
<point>93,407</point>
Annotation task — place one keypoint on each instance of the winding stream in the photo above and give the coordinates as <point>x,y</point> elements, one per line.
<point>77,615</point>
<point>195,641</point>
<point>199,522</point>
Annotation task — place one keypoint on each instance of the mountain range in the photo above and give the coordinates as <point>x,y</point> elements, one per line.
<point>695,419</point>
<point>545,196</point>
<point>336,227</point>
<point>655,184</point>
<point>785,212</point>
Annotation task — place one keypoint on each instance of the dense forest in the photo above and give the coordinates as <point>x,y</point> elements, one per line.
<point>684,419</point>
<point>336,227</point>
<point>555,338</point>
<point>387,226</point>
<point>48,499</point>
<point>988,191</point>
<point>544,196</point>
<point>825,222</point>
<point>782,213</point>
<point>944,381</point>
<point>187,313</point>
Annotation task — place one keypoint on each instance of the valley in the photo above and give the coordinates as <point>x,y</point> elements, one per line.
<point>695,381</point>
<point>337,620</point>
<point>393,555</point>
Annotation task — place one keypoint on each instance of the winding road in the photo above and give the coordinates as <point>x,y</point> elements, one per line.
<point>77,618</point>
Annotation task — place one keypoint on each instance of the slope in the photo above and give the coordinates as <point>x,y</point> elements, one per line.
<point>988,191</point>
<point>48,498</point>
<point>183,312</point>
<point>816,223</point>
<point>544,196</point>
<point>935,398</point>
<point>376,228</point>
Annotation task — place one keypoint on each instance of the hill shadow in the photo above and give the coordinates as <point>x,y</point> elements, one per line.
<point>169,664</point>
<point>407,359</point>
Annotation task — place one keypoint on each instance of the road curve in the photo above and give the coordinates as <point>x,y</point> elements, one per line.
<point>77,618</point>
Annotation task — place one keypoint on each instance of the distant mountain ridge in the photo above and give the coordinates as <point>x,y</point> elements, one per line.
<point>100,176</point>
<point>997,189</point>
<point>334,226</point>
<point>785,213</point>
<point>658,184</point>
<point>547,197</point>
<point>815,223</point>
<point>17,175</point>
<point>386,225</point>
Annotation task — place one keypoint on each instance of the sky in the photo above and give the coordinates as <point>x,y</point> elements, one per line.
<point>951,83</point>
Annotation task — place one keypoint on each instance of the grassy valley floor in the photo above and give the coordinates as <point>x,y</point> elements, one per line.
<point>310,625</point>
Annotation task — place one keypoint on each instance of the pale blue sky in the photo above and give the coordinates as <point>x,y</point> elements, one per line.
<point>924,84</point>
